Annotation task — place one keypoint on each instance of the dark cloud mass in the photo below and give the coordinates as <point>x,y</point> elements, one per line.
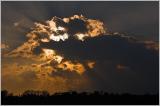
<point>108,51</point>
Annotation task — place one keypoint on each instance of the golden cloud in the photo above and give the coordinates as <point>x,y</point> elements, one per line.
<point>56,30</point>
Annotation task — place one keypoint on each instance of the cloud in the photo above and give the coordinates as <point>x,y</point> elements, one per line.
<point>56,30</point>
<point>121,67</point>
<point>138,64</point>
<point>4,46</point>
<point>76,50</point>
<point>151,45</point>
<point>59,29</point>
<point>40,79</point>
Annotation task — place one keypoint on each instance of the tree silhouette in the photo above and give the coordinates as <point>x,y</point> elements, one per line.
<point>31,97</point>
<point>4,93</point>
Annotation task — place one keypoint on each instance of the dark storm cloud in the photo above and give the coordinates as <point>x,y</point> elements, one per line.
<point>91,47</point>
<point>122,64</point>
<point>76,26</point>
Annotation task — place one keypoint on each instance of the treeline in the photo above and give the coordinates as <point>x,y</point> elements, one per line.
<point>31,97</point>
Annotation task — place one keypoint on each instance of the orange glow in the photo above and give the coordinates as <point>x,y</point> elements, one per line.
<point>81,36</point>
<point>152,45</point>
<point>59,37</point>
<point>58,58</point>
<point>49,53</point>
<point>69,66</point>
<point>91,64</point>
<point>4,46</point>
<point>45,40</point>
<point>95,27</point>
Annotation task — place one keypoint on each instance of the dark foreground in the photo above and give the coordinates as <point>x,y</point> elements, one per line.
<point>71,98</point>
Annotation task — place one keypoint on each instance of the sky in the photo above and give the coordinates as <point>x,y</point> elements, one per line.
<point>108,46</point>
